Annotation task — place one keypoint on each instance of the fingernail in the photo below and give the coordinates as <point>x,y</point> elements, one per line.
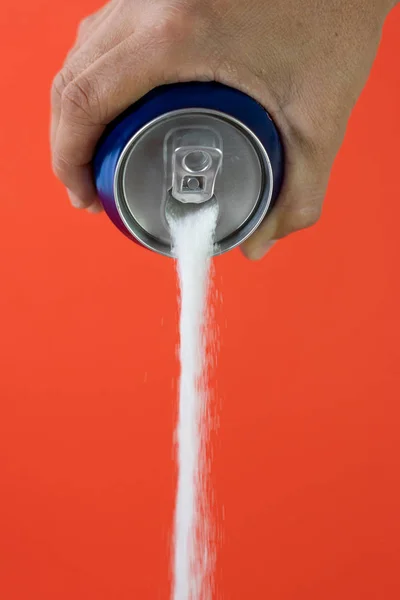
<point>75,200</point>
<point>260,251</point>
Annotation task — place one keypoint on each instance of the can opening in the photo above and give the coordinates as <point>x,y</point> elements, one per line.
<point>193,159</point>
<point>174,209</point>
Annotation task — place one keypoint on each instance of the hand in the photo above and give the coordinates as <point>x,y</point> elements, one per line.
<point>305,61</point>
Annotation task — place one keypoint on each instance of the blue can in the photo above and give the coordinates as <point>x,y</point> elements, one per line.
<point>189,143</point>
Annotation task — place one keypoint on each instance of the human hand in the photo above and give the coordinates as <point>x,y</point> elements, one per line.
<point>305,61</point>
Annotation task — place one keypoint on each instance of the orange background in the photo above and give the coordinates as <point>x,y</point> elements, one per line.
<point>307,454</point>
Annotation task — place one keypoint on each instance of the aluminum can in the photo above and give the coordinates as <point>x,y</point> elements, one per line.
<point>180,147</point>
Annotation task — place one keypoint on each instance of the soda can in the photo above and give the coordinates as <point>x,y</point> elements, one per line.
<point>180,147</point>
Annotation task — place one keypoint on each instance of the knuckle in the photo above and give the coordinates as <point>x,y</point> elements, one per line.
<point>77,96</point>
<point>85,24</point>
<point>60,83</point>
<point>301,218</point>
<point>312,130</point>
<point>174,23</point>
<point>80,101</point>
<point>305,133</point>
<point>59,166</point>
<point>85,27</point>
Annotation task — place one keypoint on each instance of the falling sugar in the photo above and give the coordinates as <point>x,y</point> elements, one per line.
<point>193,236</point>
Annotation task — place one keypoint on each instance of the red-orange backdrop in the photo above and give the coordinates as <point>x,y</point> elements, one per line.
<point>307,454</point>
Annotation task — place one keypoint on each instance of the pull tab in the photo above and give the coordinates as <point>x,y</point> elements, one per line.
<point>194,159</point>
<point>194,172</point>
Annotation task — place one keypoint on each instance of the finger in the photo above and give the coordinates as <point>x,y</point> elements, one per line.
<point>86,51</point>
<point>89,26</point>
<point>298,206</point>
<point>92,100</point>
<point>95,208</point>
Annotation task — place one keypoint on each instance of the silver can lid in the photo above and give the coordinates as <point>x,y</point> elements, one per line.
<point>191,157</point>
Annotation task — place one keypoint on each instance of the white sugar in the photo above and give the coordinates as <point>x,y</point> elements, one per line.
<point>193,243</point>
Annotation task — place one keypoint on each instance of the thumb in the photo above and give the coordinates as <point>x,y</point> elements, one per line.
<point>298,206</point>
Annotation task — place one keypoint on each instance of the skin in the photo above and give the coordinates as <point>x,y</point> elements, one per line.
<point>305,61</point>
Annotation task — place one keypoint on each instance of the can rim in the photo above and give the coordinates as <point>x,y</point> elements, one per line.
<point>230,242</point>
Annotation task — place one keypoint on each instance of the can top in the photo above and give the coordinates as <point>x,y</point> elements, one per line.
<point>193,156</point>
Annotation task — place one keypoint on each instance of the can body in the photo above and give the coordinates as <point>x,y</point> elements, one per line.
<point>146,156</point>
